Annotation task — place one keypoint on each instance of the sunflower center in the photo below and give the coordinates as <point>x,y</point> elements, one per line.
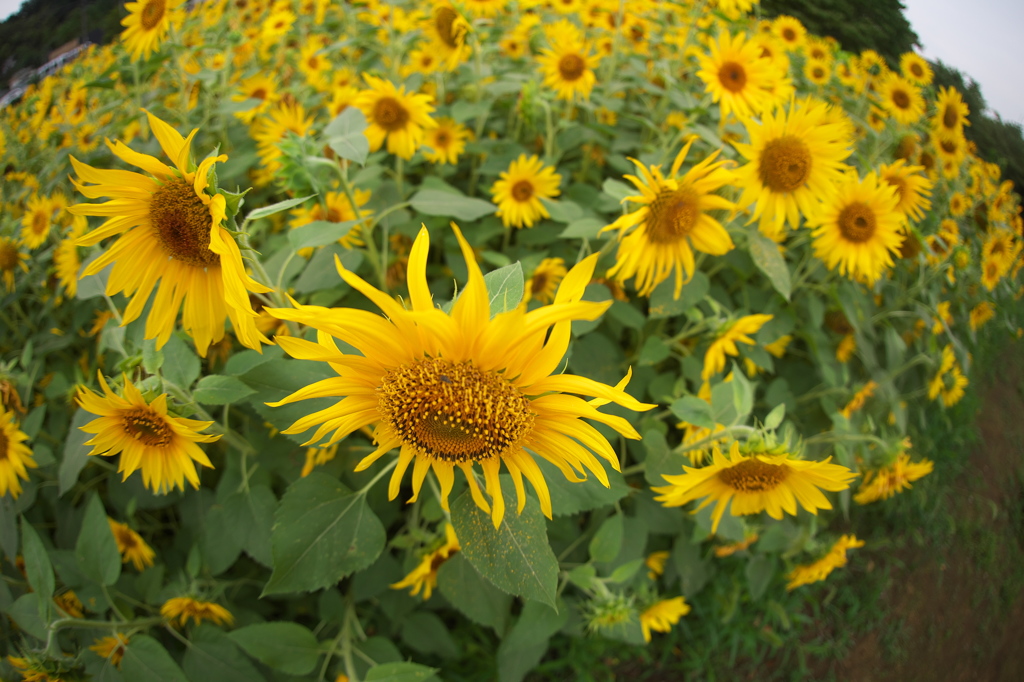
<point>754,476</point>
<point>147,427</point>
<point>127,538</point>
<point>389,114</point>
<point>916,70</point>
<point>789,35</point>
<point>857,222</point>
<point>900,185</point>
<point>901,99</point>
<point>8,256</point>
<point>538,282</point>
<point>444,22</point>
<point>183,223</point>
<point>39,222</point>
<point>4,444</point>
<point>732,76</point>
<point>949,117</point>
<point>948,146</point>
<point>259,93</point>
<point>571,67</point>
<point>785,164</point>
<point>522,191</point>
<point>152,13</point>
<point>454,412</point>
<point>442,139</point>
<point>673,215</point>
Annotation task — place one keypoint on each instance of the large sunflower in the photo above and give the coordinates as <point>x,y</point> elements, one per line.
<point>459,389</point>
<point>518,191</point>
<point>147,436</point>
<point>901,99</point>
<point>913,189</point>
<point>761,482</point>
<point>147,24</point>
<point>859,229</point>
<point>392,114</point>
<point>673,220</point>
<point>737,77</point>
<point>172,231</point>
<point>15,456</point>
<point>795,159</point>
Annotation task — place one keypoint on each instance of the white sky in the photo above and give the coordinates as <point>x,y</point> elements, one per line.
<point>977,38</point>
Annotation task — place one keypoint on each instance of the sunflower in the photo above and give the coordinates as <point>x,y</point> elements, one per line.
<point>943,319</point>
<point>949,381</point>
<point>172,231</point>
<point>544,281</point>
<point>912,188</point>
<point>37,220</point>
<point>662,615</point>
<point>819,73</point>
<point>673,220</point>
<point>519,190</point>
<point>795,160</point>
<point>916,69</point>
<point>737,77</point>
<point>859,229</point>
<point>259,87</point>
<point>318,457</point>
<point>395,115</point>
<point>185,608</point>
<point>336,208</point>
<point>161,445</point>
<point>424,576</point>
<point>761,482</point>
<point>883,483</point>
<point>111,648</point>
<point>957,204</point>
<point>951,147</point>
<point>131,545</point>
<point>15,456</point>
<point>446,31</point>
<point>858,399</point>
<point>287,116</point>
<point>790,32</point>
<point>446,141</point>
<point>568,68</point>
<point>901,99</point>
<point>725,343</point>
<point>655,562</point>
<point>65,256</point>
<point>460,389</point>
<point>820,569</point>
<point>951,111</point>
<point>11,258</point>
<point>147,24</point>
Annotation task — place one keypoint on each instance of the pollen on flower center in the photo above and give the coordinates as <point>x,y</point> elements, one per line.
<point>146,426</point>
<point>949,117</point>
<point>389,114</point>
<point>522,190</point>
<point>8,256</point>
<point>571,66</point>
<point>901,99</point>
<point>39,223</point>
<point>673,215</point>
<point>857,222</point>
<point>152,13</point>
<point>183,223</point>
<point>785,164</point>
<point>454,412</point>
<point>4,443</point>
<point>444,22</point>
<point>752,476</point>
<point>732,76</point>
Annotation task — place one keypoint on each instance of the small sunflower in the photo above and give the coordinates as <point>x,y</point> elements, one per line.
<point>901,99</point>
<point>674,220</point>
<point>15,456</point>
<point>912,188</point>
<point>519,190</point>
<point>269,129</point>
<point>131,545</point>
<point>775,483</point>
<point>725,343</point>
<point>916,69</point>
<point>544,281</point>
<point>11,258</point>
<point>260,88</point>
<point>147,436</point>
<point>737,77</point>
<point>949,381</point>
<point>951,111</point>
<point>111,648</point>
<point>859,230</point>
<point>36,223</point>
<point>447,141</point>
<point>185,608</point>
<point>823,567</point>
<point>424,576</point>
<point>883,483</point>
<point>394,115</point>
<point>662,615</point>
<point>980,315</point>
<point>446,31</point>
<point>568,68</point>
<point>819,73</point>
<point>147,24</point>
<point>790,32</point>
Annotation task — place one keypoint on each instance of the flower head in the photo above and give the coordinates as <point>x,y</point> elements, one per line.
<point>131,545</point>
<point>739,78</point>
<point>15,456</point>
<point>725,343</point>
<point>147,24</point>
<point>424,576</point>
<point>662,615</point>
<point>519,190</point>
<point>820,569</point>
<point>394,115</point>
<point>185,608</point>
<point>887,481</point>
<point>111,648</point>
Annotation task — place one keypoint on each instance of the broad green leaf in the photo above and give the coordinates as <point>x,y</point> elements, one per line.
<point>775,417</point>
<point>476,598</point>
<point>267,211</point>
<point>76,452</point>
<point>527,641</point>
<point>250,514</point>
<point>568,497</point>
<point>399,672</point>
<point>220,390</point>
<point>663,304</point>
<point>660,459</point>
<point>276,379</point>
<point>146,659</point>
<point>516,556</point>
<point>583,228</point>
<point>246,360</point>
<point>96,548</point>
<point>759,571</point>
<point>152,359</point>
<point>626,571</point>
<point>33,420</point>
<point>181,364</point>
<point>723,404</point>
<point>92,286</point>
<point>346,137</point>
<point>654,351</point>
<point>426,633</point>
<point>694,571</point>
<point>505,288</point>
<point>617,189</point>
<point>769,260</point>
<point>564,211</point>
<point>319,233</point>
<point>287,647</point>
<point>320,272</point>
<point>583,576</point>
<point>213,657</point>
<point>38,568</point>
<point>607,541</point>
<point>26,612</point>
<point>438,202</point>
<point>742,393</point>
<point>322,533</point>
<point>693,410</point>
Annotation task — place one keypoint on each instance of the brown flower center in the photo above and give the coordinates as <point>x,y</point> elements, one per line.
<point>950,117</point>
<point>442,139</point>
<point>785,164</point>
<point>754,476</point>
<point>538,283</point>
<point>259,93</point>
<point>857,222</point>
<point>152,13</point>
<point>571,67</point>
<point>789,35</point>
<point>4,444</point>
<point>146,426</point>
<point>40,222</point>
<point>183,223</point>
<point>522,191</point>
<point>389,114</point>
<point>8,256</point>
<point>901,99</point>
<point>444,23</point>
<point>672,215</point>
<point>454,412</point>
<point>916,70</point>
<point>732,76</point>
<point>949,146</point>
<point>126,538</point>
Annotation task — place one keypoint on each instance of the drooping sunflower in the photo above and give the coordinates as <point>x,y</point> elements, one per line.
<point>424,576</point>
<point>673,220</point>
<point>739,79</point>
<point>15,456</point>
<point>11,258</point>
<point>775,483</point>
<point>858,399</point>
<point>823,567</point>
<point>460,389</point>
<point>913,189</point>
<point>980,315</point>
<point>111,648</point>
<point>446,31</point>
<point>725,343</point>
<point>795,160</point>
<point>859,230</point>
<point>662,615</point>
<point>883,483</point>
<point>901,99</point>
<point>131,545</point>
<point>147,24</point>
<point>171,239</point>
<point>185,608</point>
<point>951,111</point>
<point>147,436</point>
<point>392,114</point>
<point>568,68</point>
<point>544,281</point>
<point>519,190</point>
<point>447,141</point>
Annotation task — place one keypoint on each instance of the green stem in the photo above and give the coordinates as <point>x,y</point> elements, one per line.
<point>380,474</point>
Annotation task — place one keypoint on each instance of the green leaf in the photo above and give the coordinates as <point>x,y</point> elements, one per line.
<point>267,211</point>
<point>92,286</point>
<point>246,360</point>
<point>759,571</point>
<point>617,189</point>
<point>505,287</point>
<point>693,410</point>
<point>220,390</point>
<point>663,304</point>
<point>96,549</point>
<point>742,393</point>
<point>213,657</point>
<point>76,452</point>
<point>564,211</point>
<point>516,556</point>
<point>654,351</point>
<point>38,568</point>
<point>526,643</point>
<point>152,359</point>
<point>146,659</point>
<point>33,421</point>
<point>660,459</point>
<point>568,497</point>
<point>426,633</point>
<point>769,260</point>
<point>583,576</point>
<point>251,515</point>
<point>775,417</point>
<point>346,137</point>
<point>287,647</point>
<point>584,228</point>
<point>319,233</point>
<point>607,541</point>
<point>181,364</point>
<point>276,379</point>
<point>26,613</point>
<point>399,672</point>
<point>626,571</point>
<point>477,599</point>
<point>438,202</point>
<point>322,533</point>
<point>694,571</point>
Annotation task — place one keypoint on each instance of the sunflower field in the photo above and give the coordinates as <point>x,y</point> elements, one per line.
<point>402,340</point>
